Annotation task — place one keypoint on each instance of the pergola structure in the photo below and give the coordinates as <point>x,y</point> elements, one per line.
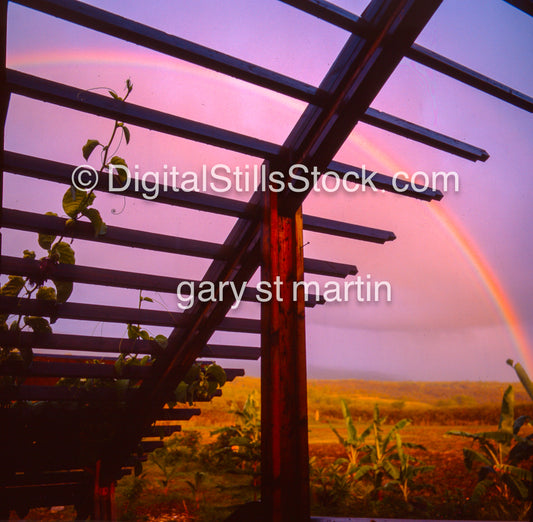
<point>267,234</point>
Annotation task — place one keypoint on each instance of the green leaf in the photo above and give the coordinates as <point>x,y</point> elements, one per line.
<point>181,392</point>
<point>38,324</point>
<point>470,456</point>
<point>99,226</point>
<point>161,340</point>
<point>148,299</point>
<point>216,373</point>
<point>46,293</point>
<point>28,254</point>
<point>133,331</point>
<point>193,374</point>
<point>114,95</point>
<point>75,201</point>
<point>126,133</point>
<point>64,253</point>
<point>88,148</point>
<point>117,160</point>
<point>64,289</point>
<point>144,335</point>
<point>507,411</point>
<point>13,286</point>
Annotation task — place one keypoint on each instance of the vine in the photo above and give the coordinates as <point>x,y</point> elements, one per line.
<point>201,381</point>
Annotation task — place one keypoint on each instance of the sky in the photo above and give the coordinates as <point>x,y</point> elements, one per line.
<point>459,270</point>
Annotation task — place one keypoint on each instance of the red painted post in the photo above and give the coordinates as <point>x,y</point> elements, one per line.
<point>104,497</point>
<point>285,452</point>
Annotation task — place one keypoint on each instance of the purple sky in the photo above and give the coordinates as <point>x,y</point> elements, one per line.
<point>443,322</point>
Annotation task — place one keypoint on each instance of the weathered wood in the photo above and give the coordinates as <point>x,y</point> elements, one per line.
<point>114,314</point>
<point>284,445</point>
<point>353,23</point>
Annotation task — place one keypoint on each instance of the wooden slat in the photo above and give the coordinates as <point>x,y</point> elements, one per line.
<point>74,369</point>
<point>29,221</point>
<point>177,414</point>
<point>32,222</point>
<point>418,133</point>
<point>63,393</point>
<point>62,173</point>
<point>115,278</point>
<point>150,445</point>
<point>113,314</point>
<point>90,102</point>
<point>115,345</point>
<point>353,23</point>
<point>386,183</point>
<point>162,431</point>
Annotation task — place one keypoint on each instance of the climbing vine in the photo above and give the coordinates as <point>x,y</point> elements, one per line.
<point>202,380</point>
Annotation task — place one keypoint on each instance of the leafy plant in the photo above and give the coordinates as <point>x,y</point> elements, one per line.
<point>498,456</point>
<point>404,475</point>
<point>377,463</point>
<point>353,443</point>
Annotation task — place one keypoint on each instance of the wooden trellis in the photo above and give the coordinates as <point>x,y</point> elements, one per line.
<point>268,234</point>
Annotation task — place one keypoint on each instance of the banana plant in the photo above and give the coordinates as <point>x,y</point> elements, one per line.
<point>498,454</point>
<point>377,462</point>
<point>405,474</point>
<point>353,443</point>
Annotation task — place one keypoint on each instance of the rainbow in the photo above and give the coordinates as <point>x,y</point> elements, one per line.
<point>462,239</point>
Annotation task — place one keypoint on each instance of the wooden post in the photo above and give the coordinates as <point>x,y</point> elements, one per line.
<point>104,497</point>
<point>285,452</point>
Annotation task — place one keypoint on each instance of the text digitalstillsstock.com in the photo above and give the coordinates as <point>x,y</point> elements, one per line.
<point>221,178</point>
<point>362,290</point>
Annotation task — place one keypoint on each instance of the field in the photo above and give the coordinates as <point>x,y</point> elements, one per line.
<point>199,485</point>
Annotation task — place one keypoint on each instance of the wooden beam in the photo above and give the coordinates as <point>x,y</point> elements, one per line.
<point>29,221</point>
<point>114,345</point>
<point>92,103</point>
<point>162,431</point>
<point>177,414</point>
<point>418,133</point>
<point>284,444</point>
<point>353,23</point>
<point>114,314</point>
